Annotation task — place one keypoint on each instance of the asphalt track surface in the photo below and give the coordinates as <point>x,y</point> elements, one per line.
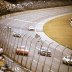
<point>20,23</point>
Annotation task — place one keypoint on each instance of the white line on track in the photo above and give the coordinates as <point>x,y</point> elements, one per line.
<point>23,20</point>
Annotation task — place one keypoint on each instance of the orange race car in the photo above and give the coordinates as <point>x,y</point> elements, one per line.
<point>22,51</point>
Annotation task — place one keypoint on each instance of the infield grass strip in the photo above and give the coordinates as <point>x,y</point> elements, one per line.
<point>60,30</point>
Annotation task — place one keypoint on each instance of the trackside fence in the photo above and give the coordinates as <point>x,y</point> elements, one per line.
<point>33,62</point>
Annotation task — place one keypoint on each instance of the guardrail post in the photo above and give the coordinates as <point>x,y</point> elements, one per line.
<point>13,47</point>
<point>7,41</point>
<point>33,56</point>
<point>53,58</point>
<point>25,47</point>
<point>61,59</point>
<point>69,62</point>
<point>8,44</point>
<point>2,32</point>
<point>2,41</point>
<point>39,55</point>
<point>29,50</point>
<point>20,45</point>
<point>16,48</point>
<point>45,57</point>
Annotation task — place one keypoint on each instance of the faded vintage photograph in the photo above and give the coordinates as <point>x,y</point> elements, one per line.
<point>35,35</point>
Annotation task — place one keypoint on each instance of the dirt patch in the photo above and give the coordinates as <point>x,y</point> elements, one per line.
<point>60,30</point>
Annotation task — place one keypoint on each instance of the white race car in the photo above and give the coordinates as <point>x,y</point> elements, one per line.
<point>44,51</point>
<point>67,60</point>
<point>31,28</point>
<point>16,35</point>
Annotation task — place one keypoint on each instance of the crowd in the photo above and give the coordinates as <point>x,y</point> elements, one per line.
<point>4,67</point>
<point>8,7</point>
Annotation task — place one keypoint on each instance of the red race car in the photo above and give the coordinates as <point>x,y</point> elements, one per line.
<point>22,51</point>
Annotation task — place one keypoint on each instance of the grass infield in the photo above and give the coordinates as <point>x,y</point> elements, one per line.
<point>60,30</point>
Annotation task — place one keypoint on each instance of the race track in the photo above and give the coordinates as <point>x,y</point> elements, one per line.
<point>19,23</point>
